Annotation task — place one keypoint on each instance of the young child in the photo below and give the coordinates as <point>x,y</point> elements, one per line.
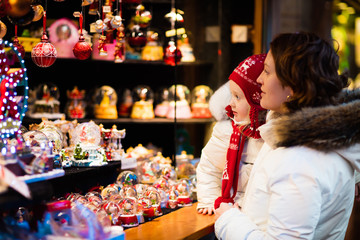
<point>232,149</point>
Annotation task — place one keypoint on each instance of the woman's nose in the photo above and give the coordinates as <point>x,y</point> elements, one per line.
<point>259,79</point>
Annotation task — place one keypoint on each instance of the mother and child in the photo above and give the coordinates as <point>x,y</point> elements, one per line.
<point>285,165</point>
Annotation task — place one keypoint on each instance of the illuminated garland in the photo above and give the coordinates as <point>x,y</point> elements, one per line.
<point>12,111</point>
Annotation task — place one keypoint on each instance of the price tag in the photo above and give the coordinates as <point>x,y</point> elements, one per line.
<point>92,27</point>
<point>76,14</point>
<point>106,9</point>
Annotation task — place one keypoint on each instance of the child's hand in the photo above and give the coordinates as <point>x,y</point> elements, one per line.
<point>223,208</point>
<point>357,192</point>
<point>204,211</point>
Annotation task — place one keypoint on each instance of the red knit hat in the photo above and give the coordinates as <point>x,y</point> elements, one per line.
<point>245,76</point>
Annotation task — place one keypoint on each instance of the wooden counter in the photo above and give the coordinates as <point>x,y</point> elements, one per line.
<point>184,223</point>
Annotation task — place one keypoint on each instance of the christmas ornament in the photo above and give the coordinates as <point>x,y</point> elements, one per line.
<point>3,29</point>
<point>200,97</point>
<point>102,46</point>
<point>172,54</point>
<point>120,36</point>
<point>17,44</point>
<point>19,8</point>
<point>22,20</point>
<point>93,8</point>
<point>39,12</point>
<point>179,98</point>
<point>12,106</point>
<point>44,53</point>
<point>153,51</point>
<point>100,26</point>
<point>116,22</point>
<point>119,53</point>
<point>63,34</point>
<point>142,16</point>
<point>19,47</point>
<point>82,50</point>
<point>175,15</point>
<point>128,209</point>
<point>75,107</point>
<point>105,99</point>
<point>137,38</point>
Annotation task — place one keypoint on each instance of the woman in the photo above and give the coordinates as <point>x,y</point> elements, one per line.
<point>302,183</point>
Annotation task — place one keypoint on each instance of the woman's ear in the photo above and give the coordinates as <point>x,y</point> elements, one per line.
<point>290,94</point>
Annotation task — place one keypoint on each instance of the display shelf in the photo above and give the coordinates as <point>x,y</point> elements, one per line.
<point>151,121</point>
<point>74,180</point>
<point>27,58</point>
<point>28,120</point>
<point>40,191</point>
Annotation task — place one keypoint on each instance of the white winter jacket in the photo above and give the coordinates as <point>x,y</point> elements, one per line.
<point>302,182</point>
<point>213,156</point>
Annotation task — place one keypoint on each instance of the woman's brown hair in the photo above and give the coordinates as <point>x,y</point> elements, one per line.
<point>309,66</point>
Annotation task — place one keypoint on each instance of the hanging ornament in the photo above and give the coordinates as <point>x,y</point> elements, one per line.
<point>172,54</point>
<point>116,22</point>
<point>142,16</point>
<point>44,53</point>
<point>19,8</point>
<point>17,44</point>
<point>19,47</point>
<point>3,29</point>
<point>93,8</point>
<point>119,54</point>
<point>102,46</point>
<point>100,26</point>
<point>39,12</point>
<point>120,45</point>
<point>175,15</point>
<point>22,20</point>
<point>82,50</point>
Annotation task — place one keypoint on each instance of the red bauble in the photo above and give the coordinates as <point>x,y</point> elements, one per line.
<point>44,53</point>
<point>82,50</point>
<point>19,47</point>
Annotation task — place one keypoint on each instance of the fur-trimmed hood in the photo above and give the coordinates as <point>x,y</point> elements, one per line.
<point>219,100</point>
<point>329,128</point>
